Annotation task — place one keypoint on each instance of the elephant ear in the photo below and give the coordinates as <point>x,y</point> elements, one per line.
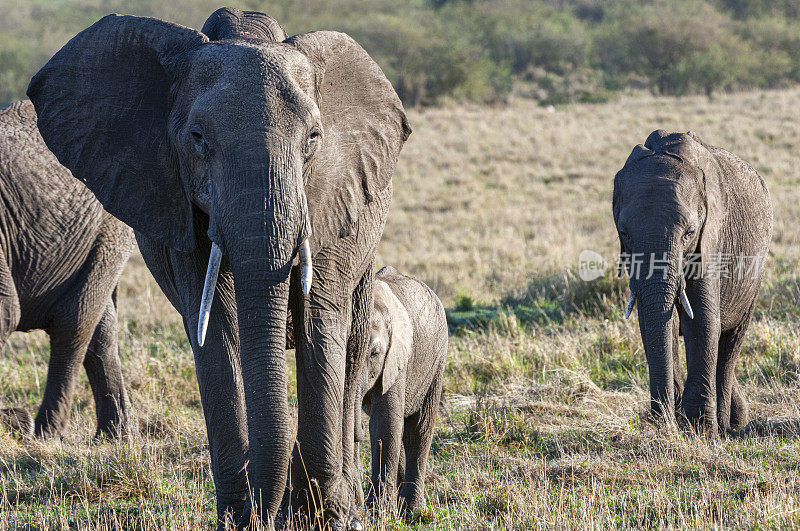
<point>364,128</point>
<point>103,104</point>
<point>698,153</point>
<point>232,23</point>
<point>401,338</point>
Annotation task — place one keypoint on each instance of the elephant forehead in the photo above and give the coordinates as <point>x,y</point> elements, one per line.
<point>250,58</point>
<point>263,80</point>
<point>660,170</point>
<point>249,65</point>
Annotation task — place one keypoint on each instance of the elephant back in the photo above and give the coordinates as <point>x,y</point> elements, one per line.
<point>49,220</point>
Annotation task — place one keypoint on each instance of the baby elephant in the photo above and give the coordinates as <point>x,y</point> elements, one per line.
<point>61,256</point>
<point>402,384</point>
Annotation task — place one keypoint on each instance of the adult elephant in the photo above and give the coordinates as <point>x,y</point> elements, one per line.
<point>234,160</point>
<point>694,224</point>
<point>61,256</point>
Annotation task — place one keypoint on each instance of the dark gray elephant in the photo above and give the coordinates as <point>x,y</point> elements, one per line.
<point>402,384</point>
<point>61,256</point>
<point>236,161</point>
<point>694,224</point>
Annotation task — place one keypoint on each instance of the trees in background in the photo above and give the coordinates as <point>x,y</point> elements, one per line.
<point>555,51</point>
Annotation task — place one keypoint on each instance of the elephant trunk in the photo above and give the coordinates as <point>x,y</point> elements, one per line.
<point>261,228</point>
<point>262,311</point>
<point>655,299</point>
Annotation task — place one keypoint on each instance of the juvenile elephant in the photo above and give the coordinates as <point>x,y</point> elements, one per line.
<point>694,225</point>
<point>236,160</point>
<point>61,256</point>
<point>401,385</point>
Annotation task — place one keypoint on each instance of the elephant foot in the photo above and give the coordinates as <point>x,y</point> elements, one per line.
<point>116,430</point>
<point>18,421</point>
<point>700,412</point>
<point>354,524</point>
<point>740,413</point>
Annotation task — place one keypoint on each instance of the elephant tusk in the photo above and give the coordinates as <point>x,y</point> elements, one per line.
<point>631,303</point>
<point>686,306</point>
<point>212,272</point>
<point>307,271</point>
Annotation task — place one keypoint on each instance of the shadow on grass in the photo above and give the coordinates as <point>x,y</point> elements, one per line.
<point>549,299</point>
<point>558,297</point>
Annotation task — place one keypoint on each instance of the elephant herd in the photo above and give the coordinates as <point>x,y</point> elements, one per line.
<point>254,171</point>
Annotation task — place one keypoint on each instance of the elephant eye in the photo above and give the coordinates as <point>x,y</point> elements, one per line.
<point>689,233</point>
<point>311,142</point>
<point>200,144</point>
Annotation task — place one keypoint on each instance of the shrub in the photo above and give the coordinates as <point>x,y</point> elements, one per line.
<point>554,50</point>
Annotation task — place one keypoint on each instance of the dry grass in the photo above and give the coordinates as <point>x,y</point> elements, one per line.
<point>543,424</point>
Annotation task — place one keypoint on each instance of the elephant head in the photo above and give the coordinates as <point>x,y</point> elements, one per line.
<point>667,208</point>
<point>390,339</point>
<point>242,140</point>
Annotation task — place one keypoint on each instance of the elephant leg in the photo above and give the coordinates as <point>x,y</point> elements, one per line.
<point>9,303</point>
<point>359,488</point>
<point>83,314</point>
<point>181,277</point>
<point>104,369</point>
<point>740,412</point>
<point>357,461</point>
<point>401,464</point>
<point>317,457</point>
<point>386,440</point>
<point>701,336</point>
<point>17,420</point>
<point>732,411</point>
<point>357,344</point>
<point>331,335</point>
<point>67,351</point>
<point>677,367</point>
<point>417,439</point>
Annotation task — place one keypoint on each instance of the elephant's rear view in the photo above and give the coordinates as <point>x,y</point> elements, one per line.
<point>694,225</point>
<point>61,256</point>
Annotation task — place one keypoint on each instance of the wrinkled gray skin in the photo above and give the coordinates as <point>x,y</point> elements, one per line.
<point>677,196</point>
<point>401,386</point>
<point>255,145</point>
<point>61,256</point>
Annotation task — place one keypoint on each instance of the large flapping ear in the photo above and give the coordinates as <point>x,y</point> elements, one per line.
<point>103,103</point>
<point>401,338</point>
<point>232,23</point>
<point>700,154</point>
<point>639,152</point>
<point>364,128</point>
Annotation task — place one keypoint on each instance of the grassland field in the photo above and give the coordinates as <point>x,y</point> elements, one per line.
<point>543,424</point>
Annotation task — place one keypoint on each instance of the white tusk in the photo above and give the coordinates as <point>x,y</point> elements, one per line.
<point>208,292</point>
<point>307,271</point>
<point>686,306</point>
<point>631,302</point>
